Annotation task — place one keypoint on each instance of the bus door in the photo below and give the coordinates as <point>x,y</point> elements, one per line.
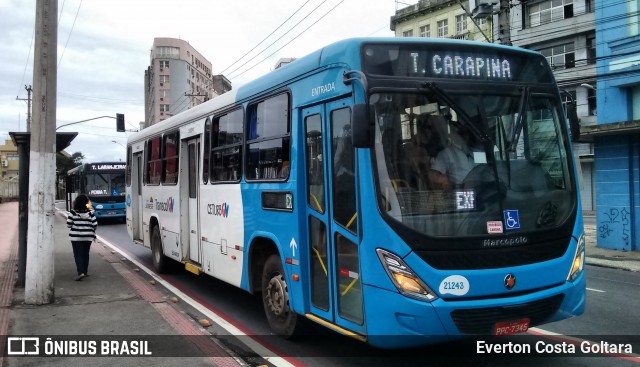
<point>332,220</point>
<point>137,200</point>
<point>193,149</point>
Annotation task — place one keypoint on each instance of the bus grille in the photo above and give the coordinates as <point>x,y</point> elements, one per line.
<point>483,320</point>
<point>495,257</point>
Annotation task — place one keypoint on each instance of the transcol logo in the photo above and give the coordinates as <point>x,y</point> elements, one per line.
<point>218,210</point>
<point>165,206</point>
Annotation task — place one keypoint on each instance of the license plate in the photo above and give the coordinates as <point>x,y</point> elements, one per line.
<point>111,213</point>
<point>511,327</point>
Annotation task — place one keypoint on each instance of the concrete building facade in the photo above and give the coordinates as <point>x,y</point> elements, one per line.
<point>9,163</point>
<point>440,19</point>
<point>178,78</point>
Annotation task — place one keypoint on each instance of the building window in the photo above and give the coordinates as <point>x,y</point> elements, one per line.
<point>591,102</point>
<point>481,22</point>
<point>408,33</point>
<point>561,56</point>
<point>164,108</point>
<point>443,28</point>
<point>166,51</point>
<point>548,11</point>
<point>591,49</point>
<point>164,78</point>
<point>425,31</point>
<point>164,64</point>
<point>461,23</point>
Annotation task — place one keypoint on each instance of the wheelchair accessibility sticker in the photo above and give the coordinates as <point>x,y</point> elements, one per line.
<point>511,219</point>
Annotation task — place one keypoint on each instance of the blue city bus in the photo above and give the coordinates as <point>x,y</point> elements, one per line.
<point>103,183</point>
<point>400,191</point>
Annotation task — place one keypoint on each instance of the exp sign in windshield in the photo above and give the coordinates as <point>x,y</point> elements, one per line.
<point>455,61</point>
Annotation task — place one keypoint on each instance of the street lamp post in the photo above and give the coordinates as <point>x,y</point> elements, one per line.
<point>120,144</point>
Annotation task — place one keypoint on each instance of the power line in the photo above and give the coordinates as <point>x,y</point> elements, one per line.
<point>26,62</point>
<point>277,39</point>
<point>100,99</point>
<point>259,43</point>
<point>70,32</point>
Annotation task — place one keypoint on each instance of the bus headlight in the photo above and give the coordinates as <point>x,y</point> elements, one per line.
<point>578,261</point>
<point>404,278</point>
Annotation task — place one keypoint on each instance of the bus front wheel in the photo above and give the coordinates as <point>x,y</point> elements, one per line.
<point>275,298</point>
<point>159,260</point>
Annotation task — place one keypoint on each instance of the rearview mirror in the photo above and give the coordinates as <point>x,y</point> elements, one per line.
<point>361,127</point>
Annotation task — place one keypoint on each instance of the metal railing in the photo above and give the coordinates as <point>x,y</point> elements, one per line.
<point>9,190</point>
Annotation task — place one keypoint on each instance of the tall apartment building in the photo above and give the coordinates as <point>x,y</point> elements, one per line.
<point>178,78</point>
<point>441,19</point>
<point>562,30</point>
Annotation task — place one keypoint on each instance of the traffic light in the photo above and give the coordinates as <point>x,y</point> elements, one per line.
<point>120,122</point>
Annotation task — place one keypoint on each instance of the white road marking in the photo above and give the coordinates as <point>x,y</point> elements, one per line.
<point>595,290</point>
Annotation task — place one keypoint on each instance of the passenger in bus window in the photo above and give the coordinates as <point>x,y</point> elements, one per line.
<point>425,147</point>
<point>82,224</point>
<point>456,160</point>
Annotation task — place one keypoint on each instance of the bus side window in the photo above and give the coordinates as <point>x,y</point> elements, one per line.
<point>154,162</point>
<point>268,139</point>
<point>226,147</point>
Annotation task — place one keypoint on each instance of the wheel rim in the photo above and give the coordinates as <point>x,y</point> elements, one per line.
<point>276,296</point>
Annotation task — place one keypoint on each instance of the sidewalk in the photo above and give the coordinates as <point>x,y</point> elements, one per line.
<point>114,303</point>
<point>627,260</point>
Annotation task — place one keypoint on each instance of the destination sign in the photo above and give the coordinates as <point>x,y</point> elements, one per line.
<point>460,61</point>
<point>107,166</point>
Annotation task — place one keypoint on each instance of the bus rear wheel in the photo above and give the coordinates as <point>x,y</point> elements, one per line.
<point>275,298</point>
<point>159,260</point>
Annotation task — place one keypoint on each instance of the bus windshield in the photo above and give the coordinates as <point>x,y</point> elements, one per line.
<point>105,184</point>
<point>468,163</point>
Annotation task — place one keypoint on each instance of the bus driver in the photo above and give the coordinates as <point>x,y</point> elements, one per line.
<point>454,162</point>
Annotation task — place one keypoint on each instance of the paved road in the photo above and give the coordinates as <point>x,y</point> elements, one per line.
<point>612,301</point>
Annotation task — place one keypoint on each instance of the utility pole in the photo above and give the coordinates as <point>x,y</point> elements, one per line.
<point>39,288</point>
<point>504,27</point>
<point>28,99</point>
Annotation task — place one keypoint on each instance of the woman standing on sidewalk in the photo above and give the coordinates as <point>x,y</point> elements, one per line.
<point>82,225</point>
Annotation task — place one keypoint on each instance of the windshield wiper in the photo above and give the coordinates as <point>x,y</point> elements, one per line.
<point>524,105</point>
<point>435,89</point>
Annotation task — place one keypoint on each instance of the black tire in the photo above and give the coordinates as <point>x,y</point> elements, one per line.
<point>159,260</point>
<point>275,299</point>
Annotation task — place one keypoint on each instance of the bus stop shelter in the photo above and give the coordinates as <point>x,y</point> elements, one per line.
<point>22,140</point>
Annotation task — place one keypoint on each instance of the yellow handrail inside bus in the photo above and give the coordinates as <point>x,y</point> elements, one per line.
<point>349,286</point>
<point>352,220</point>
<point>321,262</point>
<point>386,198</point>
<point>315,199</point>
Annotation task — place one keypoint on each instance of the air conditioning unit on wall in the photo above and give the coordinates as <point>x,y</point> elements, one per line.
<point>5,163</point>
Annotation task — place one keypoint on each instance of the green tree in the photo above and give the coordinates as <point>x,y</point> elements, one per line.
<point>64,163</point>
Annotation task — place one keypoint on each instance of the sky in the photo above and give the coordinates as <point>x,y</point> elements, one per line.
<point>104,48</point>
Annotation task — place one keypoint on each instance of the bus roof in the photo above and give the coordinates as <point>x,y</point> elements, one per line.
<point>334,54</point>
